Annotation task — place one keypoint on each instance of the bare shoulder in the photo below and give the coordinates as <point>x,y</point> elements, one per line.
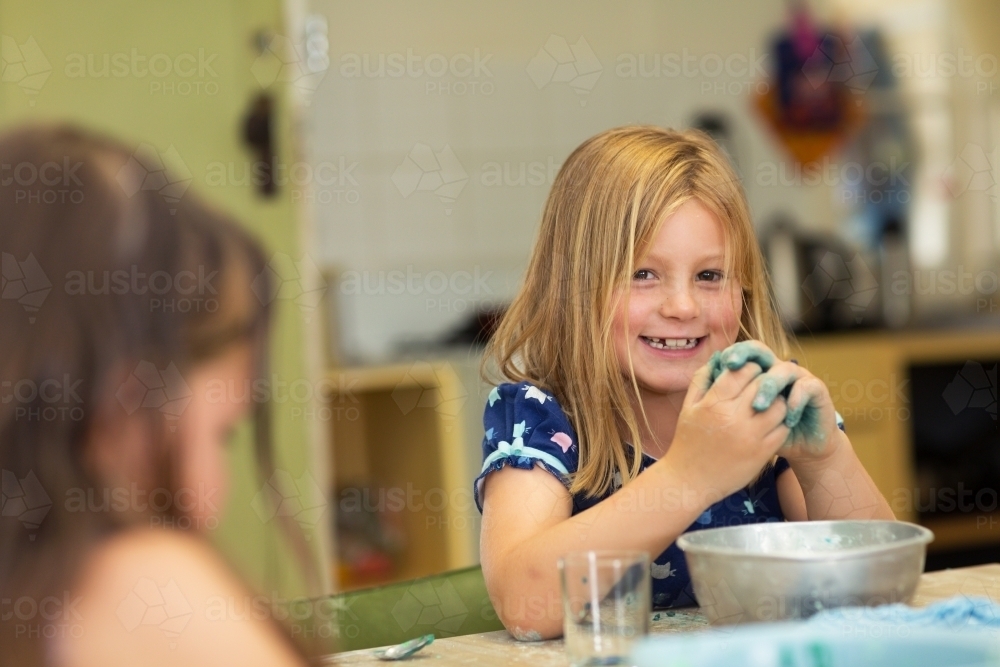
<point>160,597</point>
<point>144,551</point>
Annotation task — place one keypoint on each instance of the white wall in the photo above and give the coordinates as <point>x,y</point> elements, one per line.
<point>502,117</point>
<point>945,58</point>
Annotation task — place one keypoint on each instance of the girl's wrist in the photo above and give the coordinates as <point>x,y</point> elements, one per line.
<point>696,491</point>
<point>836,450</point>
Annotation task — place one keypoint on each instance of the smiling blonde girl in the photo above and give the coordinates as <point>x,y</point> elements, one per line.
<point>646,264</point>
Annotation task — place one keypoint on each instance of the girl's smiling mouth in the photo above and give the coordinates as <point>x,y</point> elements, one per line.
<point>673,347</point>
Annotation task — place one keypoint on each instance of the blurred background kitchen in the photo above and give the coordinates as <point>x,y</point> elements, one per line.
<point>395,156</point>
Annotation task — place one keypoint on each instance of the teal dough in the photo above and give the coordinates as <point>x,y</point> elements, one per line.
<point>803,420</point>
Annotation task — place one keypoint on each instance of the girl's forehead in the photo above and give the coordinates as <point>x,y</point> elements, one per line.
<point>692,228</point>
<point>692,211</point>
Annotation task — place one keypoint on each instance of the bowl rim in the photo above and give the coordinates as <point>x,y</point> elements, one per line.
<point>923,537</point>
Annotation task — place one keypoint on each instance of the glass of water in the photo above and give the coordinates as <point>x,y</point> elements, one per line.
<point>606,605</point>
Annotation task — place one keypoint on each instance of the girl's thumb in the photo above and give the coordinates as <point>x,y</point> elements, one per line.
<point>700,384</point>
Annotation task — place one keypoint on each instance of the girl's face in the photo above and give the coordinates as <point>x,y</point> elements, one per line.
<point>679,311</point>
<point>119,451</point>
<point>205,428</point>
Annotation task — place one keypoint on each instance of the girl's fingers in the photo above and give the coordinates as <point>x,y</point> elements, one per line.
<point>772,383</point>
<point>777,438</point>
<point>732,383</point>
<point>773,415</point>
<point>806,391</point>
<point>700,383</point>
<point>773,422</point>
<point>736,356</point>
<point>715,367</point>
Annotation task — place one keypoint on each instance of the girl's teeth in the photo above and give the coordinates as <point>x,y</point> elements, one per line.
<point>672,343</point>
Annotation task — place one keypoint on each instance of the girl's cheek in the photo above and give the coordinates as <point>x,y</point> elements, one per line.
<point>204,465</point>
<point>627,318</point>
<point>723,311</point>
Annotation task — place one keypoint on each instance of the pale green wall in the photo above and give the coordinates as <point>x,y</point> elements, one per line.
<point>204,128</point>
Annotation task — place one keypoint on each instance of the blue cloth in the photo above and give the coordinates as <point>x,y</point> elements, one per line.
<point>801,644</point>
<point>525,427</point>
<point>959,611</point>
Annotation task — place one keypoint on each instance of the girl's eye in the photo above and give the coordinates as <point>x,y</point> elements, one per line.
<point>642,274</point>
<point>711,275</point>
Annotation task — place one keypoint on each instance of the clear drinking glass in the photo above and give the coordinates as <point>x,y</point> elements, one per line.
<point>606,604</point>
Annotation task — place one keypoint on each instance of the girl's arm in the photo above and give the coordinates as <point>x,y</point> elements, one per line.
<point>719,445</point>
<point>826,479</point>
<point>527,527</point>
<point>835,486</point>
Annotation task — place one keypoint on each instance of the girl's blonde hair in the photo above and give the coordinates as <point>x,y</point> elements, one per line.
<point>605,206</point>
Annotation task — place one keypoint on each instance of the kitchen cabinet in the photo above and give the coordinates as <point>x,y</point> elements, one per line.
<point>868,374</point>
<point>403,452</point>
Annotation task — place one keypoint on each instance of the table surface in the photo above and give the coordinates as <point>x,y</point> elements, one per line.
<point>499,648</point>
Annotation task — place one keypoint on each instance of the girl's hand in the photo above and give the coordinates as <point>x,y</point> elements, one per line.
<point>721,441</point>
<point>810,417</point>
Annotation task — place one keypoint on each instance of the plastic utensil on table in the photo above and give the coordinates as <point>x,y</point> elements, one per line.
<point>404,650</point>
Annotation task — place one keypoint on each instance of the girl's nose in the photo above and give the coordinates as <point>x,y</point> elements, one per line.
<point>679,304</point>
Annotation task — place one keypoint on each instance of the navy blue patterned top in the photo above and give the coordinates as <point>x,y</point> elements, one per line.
<point>526,427</point>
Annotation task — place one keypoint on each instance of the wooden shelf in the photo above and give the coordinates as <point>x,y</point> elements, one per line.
<point>964,532</point>
<point>867,375</point>
<point>397,432</point>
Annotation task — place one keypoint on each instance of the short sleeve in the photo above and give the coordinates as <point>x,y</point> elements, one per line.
<point>524,427</point>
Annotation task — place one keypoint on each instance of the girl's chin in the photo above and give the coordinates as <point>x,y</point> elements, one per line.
<point>669,376</point>
<point>665,383</point>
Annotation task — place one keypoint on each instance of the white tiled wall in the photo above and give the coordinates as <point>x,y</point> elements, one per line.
<point>513,113</point>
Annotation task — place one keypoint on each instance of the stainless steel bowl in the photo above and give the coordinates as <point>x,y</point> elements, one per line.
<point>775,571</point>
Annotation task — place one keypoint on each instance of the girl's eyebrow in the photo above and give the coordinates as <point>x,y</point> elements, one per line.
<point>653,257</point>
